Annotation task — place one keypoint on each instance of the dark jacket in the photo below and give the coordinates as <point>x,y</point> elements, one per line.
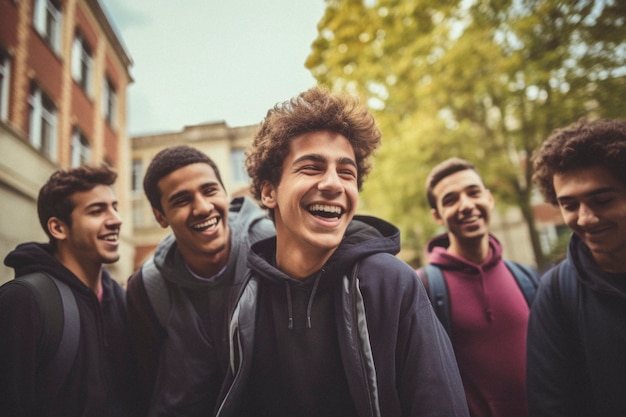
<point>357,338</point>
<point>182,364</point>
<point>100,381</point>
<point>577,362</point>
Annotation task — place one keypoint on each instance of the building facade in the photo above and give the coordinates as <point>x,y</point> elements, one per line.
<point>225,145</point>
<point>64,75</point>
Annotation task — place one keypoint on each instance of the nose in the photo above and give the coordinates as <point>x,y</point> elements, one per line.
<point>114,220</point>
<point>330,182</point>
<point>586,216</point>
<point>465,202</point>
<point>202,206</point>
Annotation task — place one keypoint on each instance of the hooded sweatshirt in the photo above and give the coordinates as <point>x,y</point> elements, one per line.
<point>357,338</point>
<point>489,317</point>
<point>101,379</point>
<point>577,340</point>
<point>182,363</point>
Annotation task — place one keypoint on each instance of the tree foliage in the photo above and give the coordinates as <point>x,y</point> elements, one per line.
<point>486,80</point>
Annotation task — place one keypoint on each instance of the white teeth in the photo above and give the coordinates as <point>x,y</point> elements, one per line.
<point>208,223</point>
<point>111,238</point>
<point>470,219</point>
<point>325,208</point>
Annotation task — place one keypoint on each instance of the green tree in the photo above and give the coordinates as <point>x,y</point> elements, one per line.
<point>484,80</point>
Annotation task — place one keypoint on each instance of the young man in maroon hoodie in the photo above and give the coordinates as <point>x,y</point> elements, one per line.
<point>482,304</point>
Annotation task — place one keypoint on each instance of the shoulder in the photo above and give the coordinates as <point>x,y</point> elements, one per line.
<point>386,270</point>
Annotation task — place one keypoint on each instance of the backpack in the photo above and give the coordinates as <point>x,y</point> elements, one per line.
<point>61,324</point>
<point>437,290</point>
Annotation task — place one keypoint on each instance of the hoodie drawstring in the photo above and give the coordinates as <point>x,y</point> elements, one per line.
<point>309,306</point>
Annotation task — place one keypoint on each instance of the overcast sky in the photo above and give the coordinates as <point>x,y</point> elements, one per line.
<point>200,61</point>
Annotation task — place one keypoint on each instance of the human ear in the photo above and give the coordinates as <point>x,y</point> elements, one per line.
<point>268,195</point>
<point>57,228</point>
<point>160,217</point>
<point>435,213</point>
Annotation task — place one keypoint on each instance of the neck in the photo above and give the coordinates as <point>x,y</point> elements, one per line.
<point>474,250</point>
<point>298,263</point>
<point>88,274</point>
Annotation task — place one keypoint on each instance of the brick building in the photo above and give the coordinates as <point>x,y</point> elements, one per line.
<point>64,75</point>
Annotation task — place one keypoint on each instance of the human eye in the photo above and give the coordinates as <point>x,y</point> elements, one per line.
<point>569,205</point>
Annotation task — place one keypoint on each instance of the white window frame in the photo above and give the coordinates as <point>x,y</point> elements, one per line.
<point>42,123</point>
<point>82,63</point>
<point>81,148</point>
<point>47,19</point>
<point>137,174</point>
<point>238,169</point>
<point>5,84</point>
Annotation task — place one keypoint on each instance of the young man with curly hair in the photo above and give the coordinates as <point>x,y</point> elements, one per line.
<point>84,367</point>
<point>330,322</point>
<point>577,328</point>
<point>178,302</point>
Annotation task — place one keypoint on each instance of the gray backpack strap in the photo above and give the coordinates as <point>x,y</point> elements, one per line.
<point>437,291</point>
<point>56,371</point>
<point>157,291</point>
<point>526,279</point>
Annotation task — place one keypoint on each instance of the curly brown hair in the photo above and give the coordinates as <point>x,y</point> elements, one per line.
<point>316,109</point>
<point>580,145</point>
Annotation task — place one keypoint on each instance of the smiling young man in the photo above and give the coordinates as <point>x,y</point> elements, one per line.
<point>577,328</point>
<point>486,308</point>
<point>330,322</point>
<point>78,211</point>
<point>179,300</point>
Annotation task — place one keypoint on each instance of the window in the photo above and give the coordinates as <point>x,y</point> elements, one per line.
<point>237,158</point>
<point>82,63</point>
<point>5,77</point>
<point>109,102</point>
<point>81,150</point>
<point>47,20</point>
<point>42,122</point>
<point>136,184</point>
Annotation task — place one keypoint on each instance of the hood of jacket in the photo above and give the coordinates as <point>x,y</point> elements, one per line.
<point>32,257</point>
<point>590,273</point>
<point>438,255</point>
<point>247,223</point>
<point>364,236</point>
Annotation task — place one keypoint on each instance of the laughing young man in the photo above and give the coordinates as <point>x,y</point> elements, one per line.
<point>330,322</point>
<point>78,211</point>
<point>178,302</point>
<point>577,328</point>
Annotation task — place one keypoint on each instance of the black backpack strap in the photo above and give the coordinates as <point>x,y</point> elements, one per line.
<point>526,279</point>
<point>565,292</point>
<point>62,327</point>
<point>435,285</point>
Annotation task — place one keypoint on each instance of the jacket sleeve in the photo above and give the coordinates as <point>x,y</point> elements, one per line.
<point>424,374</point>
<point>554,383</point>
<point>20,330</point>
<point>146,336</point>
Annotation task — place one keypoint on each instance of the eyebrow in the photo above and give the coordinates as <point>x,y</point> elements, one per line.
<point>100,204</point>
<point>182,193</point>
<point>320,158</point>
<point>589,194</point>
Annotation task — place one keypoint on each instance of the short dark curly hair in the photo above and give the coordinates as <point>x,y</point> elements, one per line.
<point>54,198</point>
<point>442,170</point>
<point>314,110</point>
<point>167,161</point>
<point>580,145</point>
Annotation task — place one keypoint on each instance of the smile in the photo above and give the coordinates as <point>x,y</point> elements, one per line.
<point>212,222</point>
<point>325,210</point>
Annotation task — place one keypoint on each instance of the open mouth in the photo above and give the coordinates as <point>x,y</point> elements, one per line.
<point>325,210</point>
<point>111,238</point>
<point>205,225</point>
<point>470,219</point>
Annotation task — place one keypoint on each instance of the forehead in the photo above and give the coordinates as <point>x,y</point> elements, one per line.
<point>330,145</point>
<point>99,194</point>
<point>457,182</point>
<point>187,177</point>
<point>582,181</point>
